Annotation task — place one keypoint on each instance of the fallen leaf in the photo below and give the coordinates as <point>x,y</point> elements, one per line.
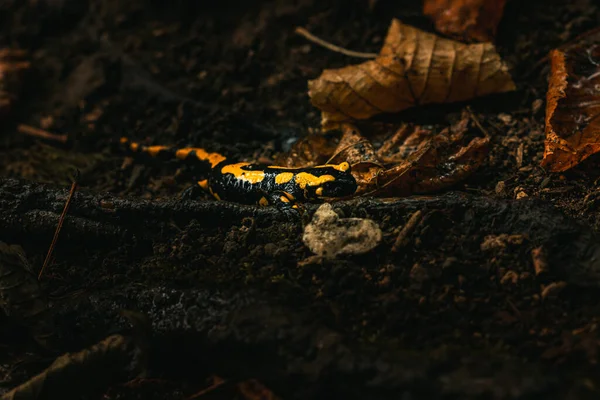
<point>438,163</point>
<point>413,160</point>
<point>410,160</point>
<point>466,20</point>
<point>413,68</point>
<point>357,150</point>
<point>573,106</point>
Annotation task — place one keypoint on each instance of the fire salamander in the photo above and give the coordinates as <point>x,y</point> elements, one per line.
<point>250,183</point>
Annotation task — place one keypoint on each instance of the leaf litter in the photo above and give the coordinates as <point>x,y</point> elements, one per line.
<point>413,68</point>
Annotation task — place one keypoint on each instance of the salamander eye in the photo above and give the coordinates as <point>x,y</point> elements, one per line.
<point>344,166</point>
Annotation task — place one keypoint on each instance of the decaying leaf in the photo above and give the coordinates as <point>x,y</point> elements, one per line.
<point>466,20</point>
<point>573,106</point>
<point>414,67</point>
<point>420,163</point>
<point>411,160</point>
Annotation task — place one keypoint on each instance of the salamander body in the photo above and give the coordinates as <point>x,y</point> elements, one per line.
<point>250,183</point>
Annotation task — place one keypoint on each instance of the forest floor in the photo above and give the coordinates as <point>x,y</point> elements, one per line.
<point>459,311</point>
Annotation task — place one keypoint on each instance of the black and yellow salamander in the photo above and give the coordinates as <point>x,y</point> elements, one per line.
<point>250,183</point>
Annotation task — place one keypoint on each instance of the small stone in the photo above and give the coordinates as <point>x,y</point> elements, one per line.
<point>521,195</point>
<point>328,235</point>
<point>506,118</point>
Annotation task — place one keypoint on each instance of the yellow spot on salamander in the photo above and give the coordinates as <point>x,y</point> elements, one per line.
<point>319,191</point>
<point>343,167</point>
<point>284,199</point>
<point>154,150</point>
<point>304,179</point>
<point>134,146</point>
<point>289,196</point>
<point>238,171</point>
<point>203,184</point>
<point>283,177</point>
<point>201,154</point>
<point>124,140</point>
<point>215,195</point>
<point>263,201</point>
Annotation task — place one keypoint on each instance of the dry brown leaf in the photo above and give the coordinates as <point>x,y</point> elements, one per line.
<point>438,163</point>
<point>414,67</point>
<point>410,160</point>
<point>421,162</point>
<point>357,150</point>
<point>573,106</point>
<point>466,20</point>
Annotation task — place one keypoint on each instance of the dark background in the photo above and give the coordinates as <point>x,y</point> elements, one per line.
<point>228,288</point>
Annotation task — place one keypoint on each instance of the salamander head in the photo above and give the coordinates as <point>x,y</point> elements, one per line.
<point>343,183</point>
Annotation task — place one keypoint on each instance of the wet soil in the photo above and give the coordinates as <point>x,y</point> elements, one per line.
<point>494,294</point>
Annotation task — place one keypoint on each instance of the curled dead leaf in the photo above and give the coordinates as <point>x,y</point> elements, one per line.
<point>466,20</point>
<point>438,163</point>
<point>411,160</point>
<point>572,106</point>
<point>414,67</point>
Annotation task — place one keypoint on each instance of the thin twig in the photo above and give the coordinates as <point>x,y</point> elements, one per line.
<point>478,123</point>
<point>40,133</point>
<point>217,382</point>
<point>303,32</point>
<point>61,220</point>
<point>407,230</point>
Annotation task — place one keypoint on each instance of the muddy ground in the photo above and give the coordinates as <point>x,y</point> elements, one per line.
<point>458,311</point>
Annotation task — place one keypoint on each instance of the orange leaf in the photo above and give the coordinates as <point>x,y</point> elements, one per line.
<point>572,107</point>
<point>467,20</point>
<point>414,67</point>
